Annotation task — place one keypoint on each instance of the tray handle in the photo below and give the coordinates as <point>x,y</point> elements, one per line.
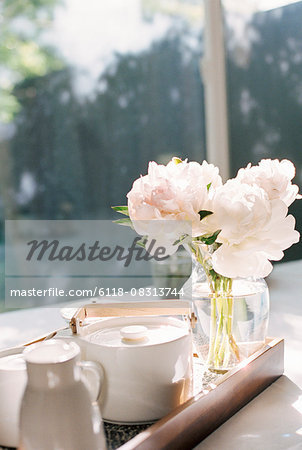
<point>133,309</point>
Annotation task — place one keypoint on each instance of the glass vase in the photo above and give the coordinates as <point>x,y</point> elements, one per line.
<point>230,325</point>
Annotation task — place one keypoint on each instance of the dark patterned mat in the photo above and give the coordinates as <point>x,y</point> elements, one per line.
<point>117,435</point>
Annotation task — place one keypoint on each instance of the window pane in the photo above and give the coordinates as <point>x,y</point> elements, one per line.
<point>264,58</point>
<point>101,90</point>
<point>90,92</point>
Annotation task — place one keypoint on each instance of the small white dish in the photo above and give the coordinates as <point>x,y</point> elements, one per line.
<point>13,379</point>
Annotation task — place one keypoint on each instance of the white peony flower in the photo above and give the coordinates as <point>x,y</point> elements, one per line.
<point>176,192</point>
<point>254,230</point>
<point>204,174</point>
<point>274,177</point>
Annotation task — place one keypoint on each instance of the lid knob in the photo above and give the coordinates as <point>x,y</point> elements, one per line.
<point>134,333</point>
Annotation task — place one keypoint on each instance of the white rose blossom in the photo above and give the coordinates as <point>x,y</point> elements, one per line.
<point>274,177</point>
<point>176,192</point>
<point>254,230</point>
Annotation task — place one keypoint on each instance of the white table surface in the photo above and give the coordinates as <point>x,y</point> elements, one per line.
<point>273,420</point>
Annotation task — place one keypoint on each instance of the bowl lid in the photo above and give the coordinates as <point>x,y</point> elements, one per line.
<point>138,331</point>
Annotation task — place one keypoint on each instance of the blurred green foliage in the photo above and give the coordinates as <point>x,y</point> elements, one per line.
<point>21,54</point>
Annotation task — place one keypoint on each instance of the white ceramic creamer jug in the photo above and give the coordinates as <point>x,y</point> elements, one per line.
<point>147,363</point>
<point>57,412</point>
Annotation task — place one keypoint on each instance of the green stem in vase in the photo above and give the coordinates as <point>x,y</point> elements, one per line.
<point>212,331</point>
<point>232,341</point>
<point>224,335</point>
<point>219,330</point>
<point>222,343</point>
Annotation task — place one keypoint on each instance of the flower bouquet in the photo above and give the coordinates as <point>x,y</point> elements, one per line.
<point>233,230</point>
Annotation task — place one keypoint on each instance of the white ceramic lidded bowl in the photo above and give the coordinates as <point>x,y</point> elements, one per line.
<point>147,363</point>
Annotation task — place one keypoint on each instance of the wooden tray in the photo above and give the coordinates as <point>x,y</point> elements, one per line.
<point>193,421</point>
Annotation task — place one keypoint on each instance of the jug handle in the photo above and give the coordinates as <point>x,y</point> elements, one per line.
<point>98,373</point>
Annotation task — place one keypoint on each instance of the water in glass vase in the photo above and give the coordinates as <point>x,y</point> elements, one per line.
<point>230,327</point>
